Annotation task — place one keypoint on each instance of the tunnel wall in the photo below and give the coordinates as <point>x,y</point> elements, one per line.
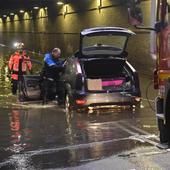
<point>43,29</point>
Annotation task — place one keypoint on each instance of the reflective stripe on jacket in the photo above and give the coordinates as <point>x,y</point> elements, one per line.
<point>52,67</point>
<point>14,76</point>
<point>50,61</point>
<point>15,60</point>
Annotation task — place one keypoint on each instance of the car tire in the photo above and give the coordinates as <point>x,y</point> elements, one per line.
<point>163,135</point>
<point>68,107</point>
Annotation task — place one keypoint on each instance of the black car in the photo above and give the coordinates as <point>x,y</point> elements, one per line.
<point>99,75</point>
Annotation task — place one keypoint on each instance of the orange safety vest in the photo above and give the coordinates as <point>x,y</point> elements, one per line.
<point>14,64</point>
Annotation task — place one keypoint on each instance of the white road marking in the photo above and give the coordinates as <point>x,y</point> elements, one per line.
<point>135,136</point>
<point>78,146</point>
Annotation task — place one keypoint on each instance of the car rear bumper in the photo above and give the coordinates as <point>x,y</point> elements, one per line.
<point>99,99</point>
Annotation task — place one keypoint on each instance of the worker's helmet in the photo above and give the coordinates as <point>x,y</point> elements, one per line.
<point>19,45</point>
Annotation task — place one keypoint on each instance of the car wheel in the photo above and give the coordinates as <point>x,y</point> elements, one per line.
<point>162,131</point>
<point>68,107</point>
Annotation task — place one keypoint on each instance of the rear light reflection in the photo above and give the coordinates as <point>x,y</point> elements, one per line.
<point>137,99</point>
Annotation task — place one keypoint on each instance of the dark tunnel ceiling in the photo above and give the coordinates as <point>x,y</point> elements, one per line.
<point>26,4</point>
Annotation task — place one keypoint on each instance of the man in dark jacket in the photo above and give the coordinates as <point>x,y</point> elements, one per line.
<point>50,77</point>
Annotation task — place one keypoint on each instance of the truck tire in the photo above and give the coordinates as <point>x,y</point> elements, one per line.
<point>167,114</point>
<point>163,135</point>
<point>160,121</point>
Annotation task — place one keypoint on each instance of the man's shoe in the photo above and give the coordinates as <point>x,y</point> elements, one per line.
<point>163,146</point>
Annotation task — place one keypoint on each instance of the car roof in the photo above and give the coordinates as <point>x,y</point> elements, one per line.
<point>112,30</point>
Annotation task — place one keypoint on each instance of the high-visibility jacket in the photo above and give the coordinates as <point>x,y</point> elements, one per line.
<point>18,64</point>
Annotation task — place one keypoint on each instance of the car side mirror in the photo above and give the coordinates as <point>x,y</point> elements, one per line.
<point>135,16</point>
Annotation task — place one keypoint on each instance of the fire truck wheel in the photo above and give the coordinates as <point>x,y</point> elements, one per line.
<point>162,131</point>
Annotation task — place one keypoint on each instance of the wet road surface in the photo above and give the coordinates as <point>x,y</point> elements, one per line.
<point>38,137</point>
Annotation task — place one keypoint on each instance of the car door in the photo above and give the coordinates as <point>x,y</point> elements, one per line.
<point>30,84</point>
<point>31,87</point>
<point>69,75</point>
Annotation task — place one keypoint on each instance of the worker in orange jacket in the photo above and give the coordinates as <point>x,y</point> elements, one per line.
<point>18,64</point>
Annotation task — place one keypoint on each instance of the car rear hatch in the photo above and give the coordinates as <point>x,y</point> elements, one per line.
<point>103,41</point>
<point>107,75</point>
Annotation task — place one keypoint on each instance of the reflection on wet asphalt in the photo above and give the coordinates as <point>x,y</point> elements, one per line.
<point>42,138</point>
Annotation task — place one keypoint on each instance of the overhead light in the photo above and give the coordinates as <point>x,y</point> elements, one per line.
<point>21,11</point>
<point>60,3</point>
<point>2,45</point>
<point>12,14</point>
<point>36,7</point>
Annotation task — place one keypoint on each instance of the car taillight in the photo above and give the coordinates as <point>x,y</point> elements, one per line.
<point>80,101</point>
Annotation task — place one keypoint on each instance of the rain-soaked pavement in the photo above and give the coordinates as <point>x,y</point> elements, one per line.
<point>33,136</point>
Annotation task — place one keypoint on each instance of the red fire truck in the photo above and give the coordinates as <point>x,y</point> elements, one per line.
<point>161,75</point>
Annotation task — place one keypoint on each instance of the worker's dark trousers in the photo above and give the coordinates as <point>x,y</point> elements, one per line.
<point>51,89</point>
<point>14,86</point>
<point>55,88</point>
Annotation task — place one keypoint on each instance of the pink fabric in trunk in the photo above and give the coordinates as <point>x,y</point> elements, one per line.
<point>112,83</point>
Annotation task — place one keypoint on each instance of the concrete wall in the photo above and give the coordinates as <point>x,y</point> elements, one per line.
<point>47,28</point>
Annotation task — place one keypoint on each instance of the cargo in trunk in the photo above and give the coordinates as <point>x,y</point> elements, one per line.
<point>107,74</point>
